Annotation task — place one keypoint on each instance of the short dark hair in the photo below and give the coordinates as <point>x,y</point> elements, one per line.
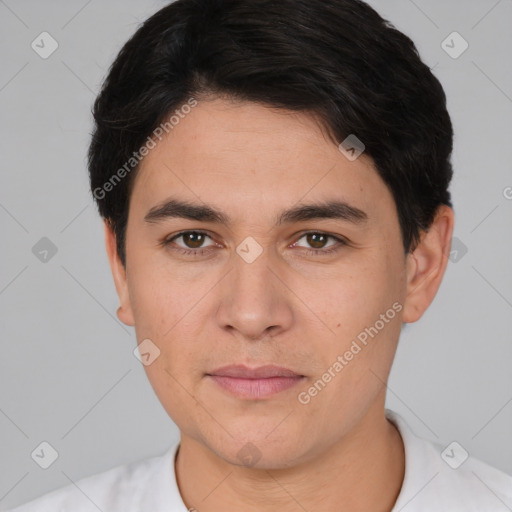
<point>336,59</point>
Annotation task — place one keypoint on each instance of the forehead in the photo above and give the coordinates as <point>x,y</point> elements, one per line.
<point>251,160</point>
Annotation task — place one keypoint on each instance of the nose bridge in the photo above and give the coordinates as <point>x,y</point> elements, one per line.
<point>253,278</point>
<point>252,301</point>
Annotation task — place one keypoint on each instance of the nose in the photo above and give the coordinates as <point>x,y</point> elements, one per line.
<point>254,302</point>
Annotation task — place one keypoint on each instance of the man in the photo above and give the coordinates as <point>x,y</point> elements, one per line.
<point>274,179</point>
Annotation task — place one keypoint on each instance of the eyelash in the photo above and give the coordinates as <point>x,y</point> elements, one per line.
<point>201,251</point>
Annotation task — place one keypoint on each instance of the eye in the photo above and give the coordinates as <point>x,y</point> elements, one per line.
<point>191,242</point>
<point>319,242</point>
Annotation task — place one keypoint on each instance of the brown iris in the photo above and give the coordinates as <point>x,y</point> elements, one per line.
<point>317,240</point>
<point>193,240</point>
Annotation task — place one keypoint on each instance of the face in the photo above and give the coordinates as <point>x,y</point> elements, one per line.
<point>260,271</point>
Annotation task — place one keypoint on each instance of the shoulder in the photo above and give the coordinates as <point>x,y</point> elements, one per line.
<point>448,478</point>
<point>121,489</point>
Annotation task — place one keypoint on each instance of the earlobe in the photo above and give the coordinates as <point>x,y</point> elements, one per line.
<point>426,265</point>
<point>124,312</point>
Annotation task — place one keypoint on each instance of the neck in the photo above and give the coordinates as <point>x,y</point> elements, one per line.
<point>363,471</point>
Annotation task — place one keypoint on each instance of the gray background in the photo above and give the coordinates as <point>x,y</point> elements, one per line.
<point>68,374</point>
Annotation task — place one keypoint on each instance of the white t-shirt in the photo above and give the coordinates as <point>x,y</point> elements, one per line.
<point>435,481</point>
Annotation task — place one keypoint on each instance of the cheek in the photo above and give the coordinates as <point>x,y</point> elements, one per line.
<point>163,309</point>
<point>160,295</point>
<point>168,309</point>
<point>155,308</point>
<point>350,298</point>
<point>361,306</point>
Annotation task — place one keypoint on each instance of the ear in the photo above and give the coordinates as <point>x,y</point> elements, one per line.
<point>427,263</point>
<point>124,313</point>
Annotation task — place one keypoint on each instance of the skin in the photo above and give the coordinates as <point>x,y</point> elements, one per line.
<point>288,307</point>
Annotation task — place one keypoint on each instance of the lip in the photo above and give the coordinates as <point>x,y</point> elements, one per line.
<point>254,383</point>
<point>261,372</point>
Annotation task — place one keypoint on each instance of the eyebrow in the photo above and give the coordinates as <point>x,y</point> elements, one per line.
<point>335,209</point>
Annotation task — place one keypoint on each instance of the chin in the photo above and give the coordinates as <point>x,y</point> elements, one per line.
<point>253,447</point>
